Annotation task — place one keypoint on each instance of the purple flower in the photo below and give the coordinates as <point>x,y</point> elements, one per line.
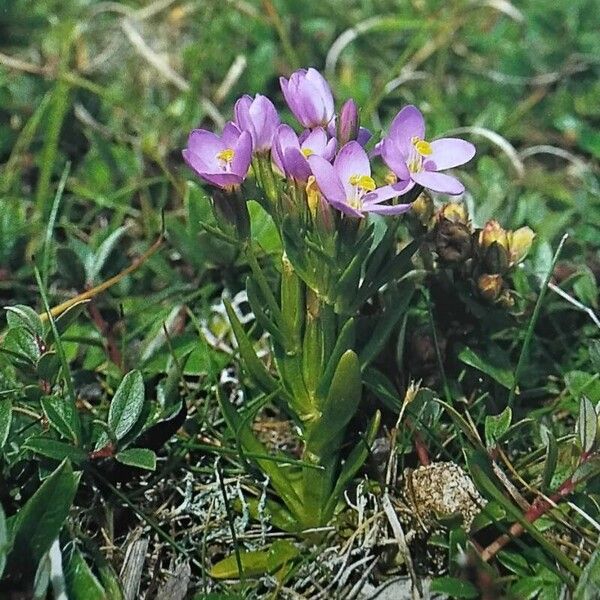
<point>290,153</point>
<point>223,161</point>
<point>414,160</point>
<point>258,116</point>
<point>348,186</point>
<point>309,97</point>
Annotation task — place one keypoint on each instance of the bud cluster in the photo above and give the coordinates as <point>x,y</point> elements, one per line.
<point>485,256</point>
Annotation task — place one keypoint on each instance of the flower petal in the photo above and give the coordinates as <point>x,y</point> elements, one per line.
<point>222,179</point>
<point>330,149</point>
<point>387,209</point>
<point>285,137</point>
<point>408,123</point>
<point>450,152</point>
<point>394,158</point>
<point>231,133</point>
<point>296,165</point>
<point>242,156</point>
<point>205,145</point>
<point>388,191</point>
<point>363,137</point>
<point>327,179</point>
<point>438,182</point>
<point>324,91</point>
<point>347,209</point>
<point>316,141</point>
<point>350,161</point>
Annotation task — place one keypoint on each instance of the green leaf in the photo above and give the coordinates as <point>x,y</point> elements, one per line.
<point>39,522</point>
<point>257,563</point>
<point>341,403</point>
<point>250,443</point>
<point>495,368</point>
<point>82,584</point>
<point>24,316</point>
<point>587,424</point>
<point>4,542</point>
<point>5,420</point>
<point>594,349</point>
<point>588,587</point>
<point>253,365</point>
<point>551,458</point>
<point>496,426</point>
<point>387,321</point>
<point>60,415</point>
<point>454,587</point>
<point>127,404</point>
<point>55,449</point>
<point>48,366</point>
<point>41,579</point>
<point>69,316</point>
<point>586,288</point>
<point>21,343</point>
<point>96,261</point>
<point>143,458</point>
<point>580,382</point>
<point>353,463</point>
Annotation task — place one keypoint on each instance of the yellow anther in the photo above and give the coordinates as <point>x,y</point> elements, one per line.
<point>364,182</point>
<point>423,147</point>
<point>307,152</point>
<point>226,155</point>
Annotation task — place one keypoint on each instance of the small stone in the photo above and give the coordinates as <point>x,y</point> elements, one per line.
<point>440,490</point>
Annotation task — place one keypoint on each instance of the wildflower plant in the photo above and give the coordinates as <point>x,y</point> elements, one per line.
<point>321,187</point>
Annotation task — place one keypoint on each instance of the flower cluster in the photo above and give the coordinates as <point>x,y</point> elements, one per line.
<point>329,153</point>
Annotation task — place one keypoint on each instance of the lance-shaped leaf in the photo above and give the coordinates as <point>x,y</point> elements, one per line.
<point>393,269</point>
<point>5,420</point>
<point>250,443</point>
<point>340,404</point>
<point>496,426</point>
<point>256,563</point>
<point>344,342</point>
<point>250,361</point>
<point>38,523</point>
<point>387,322</point>
<point>82,584</point>
<point>347,284</point>
<point>587,424</point>
<point>257,303</point>
<point>353,463</point>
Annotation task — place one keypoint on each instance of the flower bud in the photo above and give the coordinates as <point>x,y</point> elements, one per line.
<point>493,243</point>
<point>348,123</point>
<point>519,243</point>
<point>453,242</point>
<point>490,286</point>
<point>422,208</point>
<point>318,208</point>
<point>455,212</point>
<point>492,233</point>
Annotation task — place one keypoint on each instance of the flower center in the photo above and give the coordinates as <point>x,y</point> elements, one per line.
<point>420,148</point>
<point>226,158</point>
<point>307,152</point>
<point>362,184</point>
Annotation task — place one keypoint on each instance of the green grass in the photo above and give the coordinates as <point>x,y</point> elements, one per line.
<point>96,102</point>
